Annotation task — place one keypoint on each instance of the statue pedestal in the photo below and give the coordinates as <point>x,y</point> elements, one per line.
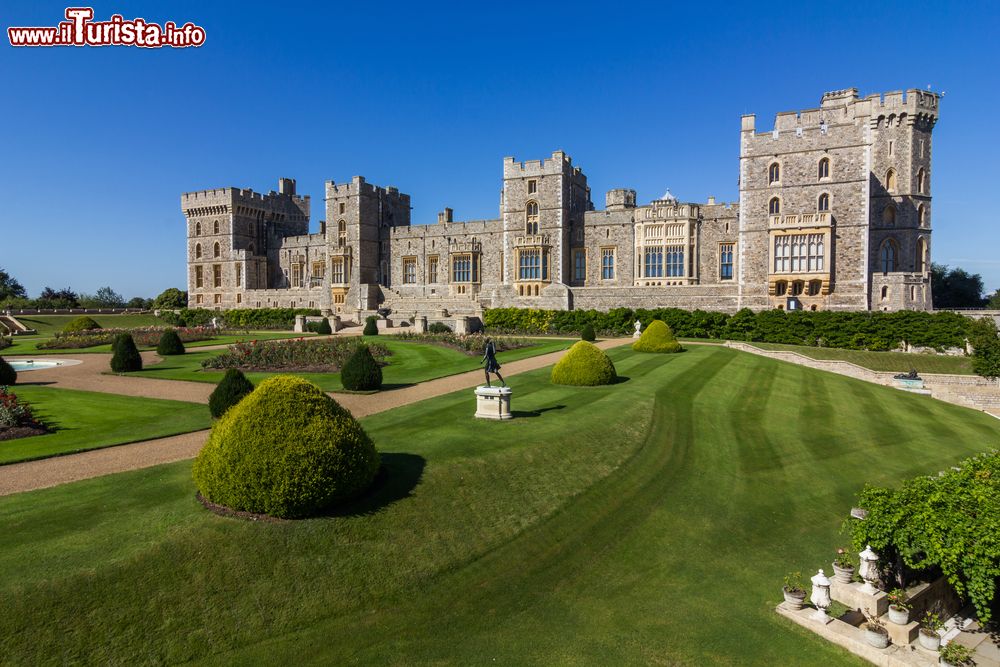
<point>493,403</point>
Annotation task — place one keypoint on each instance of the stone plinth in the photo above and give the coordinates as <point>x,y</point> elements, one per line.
<point>855,598</point>
<point>901,635</point>
<point>493,403</point>
<point>383,323</point>
<point>461,325</point>
<point>335,324</point>
<point>419,324</point>
<point>300,323</point>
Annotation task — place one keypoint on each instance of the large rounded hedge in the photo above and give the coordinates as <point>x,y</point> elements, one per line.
<point>287,450</point>
<point>231,389</point>
<point>170,344</point>
<point>8,376</point>
<point>657,337</point>
<point>361,372</point>
<point>82,323</point>
<point>584,365</point>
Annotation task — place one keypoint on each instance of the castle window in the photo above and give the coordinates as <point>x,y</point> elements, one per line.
<point>774,173</point>
<point>824,202</point>
<point>197,251</point>
<point>889,215</point>
<point>799,253</point>
<point>296,275</point>
<point>890,180</point>
<point>197,229</point>
<point>580,265</point>
<point>607,263</point>
<point>824,168</point>
<point>239,298</point>
<point>409,270</point>
<point>885,292</point>
<point>217,250</point>
<point>774,206</point>
<point>532,264</point>
<point>218,298</point>
<point>922,215</point>
<point>239,274</point>
<point>652,265</point>
<point>887,256</point>
<point>922,181</point>
<point>532,186</point>
<point>797,287</point>
<point>343,208</point>
<point>342,233</point>
<point>432,269</point>
<point>781,288</point>
<point>199,299</point>
<point>531,216</point>
<point>464,269</point>
<point>215,227</point>
<point>815,286</point>
<point>217,275</point>
<point>198,277</point>
<point>921,258</point>
<point>725,261</point>
<point>337,274</point>
<point>675,261</point>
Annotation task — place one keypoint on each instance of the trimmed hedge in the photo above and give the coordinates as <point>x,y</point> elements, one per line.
<point>824,328</point>
<point>361,372</point>
<point>587,333</point>
<point>231,389</point>
<point>585,365</point>
<point>8,376</point>
<point>241,318</point>
<point>438,328</point>
<point>82,323</point>
<point>371,327</point>
<point>170,344</point>
<point>287,450</point>
<point>657,338</point>
<point>125,356</point>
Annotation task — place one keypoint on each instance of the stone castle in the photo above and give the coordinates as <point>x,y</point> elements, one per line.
<point>834,213</point>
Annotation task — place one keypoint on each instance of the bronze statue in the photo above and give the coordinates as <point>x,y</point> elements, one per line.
<point>492,365</point>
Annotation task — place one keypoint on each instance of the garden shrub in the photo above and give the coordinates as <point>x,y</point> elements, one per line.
<point>5,341</point>
<point>371,326</point>
<point>170,344</point>
<point>14,412</point>
<point>361,372</point>
<point>584,365</point>
<point>125,356</point>
<point>587,333</point>
<point>82,323</point>
<point>324,328</point>
<point>438,328</point>
<point>657,338</point>
<point>8,376</point>
<point>986,349</point>
<point>287,450</point>
<point>230,391</point>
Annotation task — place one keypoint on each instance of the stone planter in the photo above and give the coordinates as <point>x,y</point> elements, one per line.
<point>899,615</point>
<point>929,639</point>
<point>843,575</point>
<point>794,600</point>
<point>877,638</point>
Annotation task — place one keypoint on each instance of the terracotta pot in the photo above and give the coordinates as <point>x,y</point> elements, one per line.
<point>929,639</point>
<point>899,615</point>
<point>842,575</point>
<point>877,639</point>
<point>793,601</point>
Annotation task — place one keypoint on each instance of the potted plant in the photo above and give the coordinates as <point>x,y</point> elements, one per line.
<point>875,632</point>
<point>899,610</point>
<point>929,627</point>
<point>795,594</point>
<point>955,655</point>
<point>843,567</point>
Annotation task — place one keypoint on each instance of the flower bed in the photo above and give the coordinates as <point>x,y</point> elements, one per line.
<point>143,337</point>
<point>470,344</point>
<point>16,418</point>
<point>325,355</point>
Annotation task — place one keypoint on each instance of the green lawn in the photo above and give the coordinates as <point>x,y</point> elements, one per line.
<point>410,363</point>
<point>90,420</point>
<point>896,362</point>
<point>50,324</point>
<point>28,344</point>
<point>650,522</point>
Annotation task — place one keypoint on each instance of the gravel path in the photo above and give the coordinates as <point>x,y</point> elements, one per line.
<point>31,475</point>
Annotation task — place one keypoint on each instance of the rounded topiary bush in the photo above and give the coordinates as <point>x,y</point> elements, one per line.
<point>438,328</point>
<point>170,344</point>
<point>125,356</point>
<point>584,365</point>
<point>657,337</point>
<point>287,450</point>
<point>324,328</point>
<point>587,333</point>
<point>230,391</point>
<point>8,376</point>
<point>371,328</point>
<point>82,323</point>
<point>361,372</point>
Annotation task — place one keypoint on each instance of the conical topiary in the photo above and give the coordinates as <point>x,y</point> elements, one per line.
<point>657,337</point>
<point>587,333</point>
<point>361,372</point>
<point>584,365</point>
<point>371,326</point>
<point>125,356</point>
<point>230,391</point>
<point>324,328</point>
<point>170,344</point>
<point>286,450</point>
<point>8,376</point>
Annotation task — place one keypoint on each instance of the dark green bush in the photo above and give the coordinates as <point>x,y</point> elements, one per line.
<point>587,333</point>
<point>371,326</point>
<point>324,328</point>
<point>5,342</point>
<point>170,344</point>
<point>438,328</point>
<point>82,323</point>
<point>125,356</point>
<point>361,372</point>
<point>584,365</point>
<point>986,349</point>
<point>8,376</point>
<point>230,391</point>
<point>657,338</point>
<point>287,450</point>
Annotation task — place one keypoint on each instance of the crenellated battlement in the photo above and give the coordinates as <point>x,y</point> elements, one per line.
<point>559,163</point>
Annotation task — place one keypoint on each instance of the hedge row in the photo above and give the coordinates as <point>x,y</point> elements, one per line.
<point>848,330</point>
<point>243,318</point>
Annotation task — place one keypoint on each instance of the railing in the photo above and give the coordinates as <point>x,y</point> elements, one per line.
<point>800,220</point>
<point>531,239</point>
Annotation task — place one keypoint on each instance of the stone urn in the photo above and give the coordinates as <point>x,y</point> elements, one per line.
<point>899,615</point>
<point>929,639</point>
<point>793,599</point>
<point>843,575</point>
<point>876,635</point>
<point>869,570</point>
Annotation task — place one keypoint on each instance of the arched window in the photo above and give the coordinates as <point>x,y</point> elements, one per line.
<point>197,229</point>
<point>921,258</point>
<point>890,180</point>
<point>824,202</point>
<point>922,181</point>
<point>824,168</point>
<point>531,216</point>
<point>342,233</point>
<point>216,227</point>
<point>197,251</point>
<point>774,206</point>
<point>885,292</point>
<point>774,173</point>
<point>922,215</point>
<point>217,250</point>
<point>889,215</point>
<point>887,256</point>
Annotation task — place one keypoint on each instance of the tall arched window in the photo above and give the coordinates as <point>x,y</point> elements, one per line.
<point>217,250</point>
<point>774,173</point>
<point>922,181</point>
<point>824,202</point>
<point>889,215</point>
<point>922,215</point>
<point>197,229</point>
<point>216,227</point>
<point>774,206</point>
<point>887,256</point>
<point>531,216</point>
<point>197,251</point>
<point>921,258</point>
<point>890,180</point>
<point>824,168</point>
<point>342,233</point>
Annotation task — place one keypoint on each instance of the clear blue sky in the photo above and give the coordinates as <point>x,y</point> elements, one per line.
<point>99,143</point>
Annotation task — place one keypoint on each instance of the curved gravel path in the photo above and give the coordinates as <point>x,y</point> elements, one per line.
<point>31,475</point>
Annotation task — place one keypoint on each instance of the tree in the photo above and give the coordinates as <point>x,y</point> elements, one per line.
<point>105,298</point>
<point>994,302</point>
<point>139,303</point>
<point>986,348</point>
<point>63,298</point>
<point>170,299</point>
<point>125,356</point>
<point>956,288</point>
<point>10,288</point>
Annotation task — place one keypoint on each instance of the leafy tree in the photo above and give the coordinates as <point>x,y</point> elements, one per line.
<point>138,302</point>
<point>104,298</point>
<point>52,298</point>
<point>994,302</point>
<point>956,288</point>
<point>10,288</point>
<point>986,348</point>
<point>170,299</point>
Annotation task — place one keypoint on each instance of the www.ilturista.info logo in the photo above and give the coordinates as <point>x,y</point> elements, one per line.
<point>80,30</point>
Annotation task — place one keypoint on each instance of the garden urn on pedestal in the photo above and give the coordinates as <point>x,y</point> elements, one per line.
<point>868,569</point>
<point>820,597</point>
